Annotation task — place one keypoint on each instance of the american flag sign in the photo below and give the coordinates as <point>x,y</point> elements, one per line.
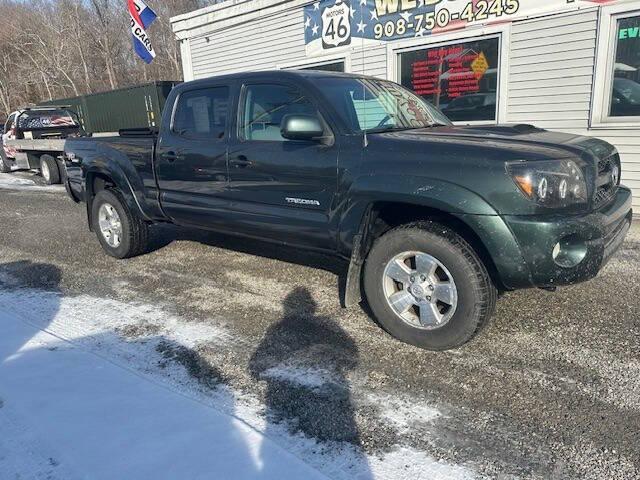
<point>330,24</point>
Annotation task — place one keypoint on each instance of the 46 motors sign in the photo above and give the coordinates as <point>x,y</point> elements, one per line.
<point>336,25</point>
<point>330,24</point>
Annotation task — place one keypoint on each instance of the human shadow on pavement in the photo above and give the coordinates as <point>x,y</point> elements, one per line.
<point>305,398</point>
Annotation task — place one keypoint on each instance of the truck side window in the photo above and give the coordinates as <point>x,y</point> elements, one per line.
<point>264,108</point>
<point>202,114</point>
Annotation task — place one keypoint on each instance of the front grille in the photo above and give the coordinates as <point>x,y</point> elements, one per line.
<point>607,180</point>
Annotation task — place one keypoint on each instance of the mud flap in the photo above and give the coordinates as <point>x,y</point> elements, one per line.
<point>352,289</point>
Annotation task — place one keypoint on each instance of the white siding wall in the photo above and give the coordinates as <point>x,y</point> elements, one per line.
<point>551,68</point>
<point>235,49</point>
<point>250,46</point>
<point>375,61</point>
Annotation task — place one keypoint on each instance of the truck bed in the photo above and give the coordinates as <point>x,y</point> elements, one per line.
<point>131,153</point>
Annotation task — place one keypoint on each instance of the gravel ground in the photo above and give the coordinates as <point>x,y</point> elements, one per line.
<point>550,390</point>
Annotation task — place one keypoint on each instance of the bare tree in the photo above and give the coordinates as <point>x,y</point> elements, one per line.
<point>58,48</point>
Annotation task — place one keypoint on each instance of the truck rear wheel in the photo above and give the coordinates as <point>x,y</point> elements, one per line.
<point>427,287</point>
<point>49,170</point>
<point>4,164</point>
<point>121,232</point>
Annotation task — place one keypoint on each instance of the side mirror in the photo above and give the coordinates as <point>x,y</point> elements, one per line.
<point>301,127</point>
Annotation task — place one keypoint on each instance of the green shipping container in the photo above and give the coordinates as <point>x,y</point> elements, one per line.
<point>131,107</point>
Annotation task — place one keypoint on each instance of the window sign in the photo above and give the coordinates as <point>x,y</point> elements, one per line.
<point>461,79</point>
<point>202,113</point>
<point>625,91</point>
<point>333,24</point>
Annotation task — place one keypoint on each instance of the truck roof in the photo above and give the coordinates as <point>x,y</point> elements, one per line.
<point>276,74</point>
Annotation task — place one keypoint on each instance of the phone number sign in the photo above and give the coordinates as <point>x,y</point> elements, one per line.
<point>331,24</point>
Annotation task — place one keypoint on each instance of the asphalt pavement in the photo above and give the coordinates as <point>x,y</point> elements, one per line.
<point>551,389</point>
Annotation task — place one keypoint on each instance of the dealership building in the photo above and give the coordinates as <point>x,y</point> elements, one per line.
<point>567,65</point>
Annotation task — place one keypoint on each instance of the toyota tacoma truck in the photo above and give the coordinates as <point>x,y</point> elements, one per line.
<point>433,219</point>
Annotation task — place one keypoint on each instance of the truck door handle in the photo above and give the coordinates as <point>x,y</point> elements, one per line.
<point>241,161</point>
<point>171,156</point>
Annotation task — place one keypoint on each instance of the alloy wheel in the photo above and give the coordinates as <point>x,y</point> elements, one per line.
<point>110,225</point>
<point>420,290</point>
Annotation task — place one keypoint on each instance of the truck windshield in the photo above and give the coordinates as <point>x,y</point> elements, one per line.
<point>377,105</point>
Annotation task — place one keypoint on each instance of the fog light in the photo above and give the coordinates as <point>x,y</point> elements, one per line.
<point>569,251</point>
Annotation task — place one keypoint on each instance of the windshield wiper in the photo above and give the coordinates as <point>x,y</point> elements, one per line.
<point>390,128</point>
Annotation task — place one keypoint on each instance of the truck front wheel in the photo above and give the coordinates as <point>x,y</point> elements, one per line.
<point>427,287</point>
<point>49,170</point>
<point>121,232</point>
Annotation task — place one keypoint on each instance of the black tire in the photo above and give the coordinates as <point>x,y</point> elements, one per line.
<point>134,239</point>
<point>476,293</point>
<point>4,164</point>
<point>49,170</point>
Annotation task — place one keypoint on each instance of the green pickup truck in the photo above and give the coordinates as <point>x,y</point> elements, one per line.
<point>434,219</point>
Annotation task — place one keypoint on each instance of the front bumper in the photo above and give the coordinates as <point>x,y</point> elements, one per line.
<point>597,235</point>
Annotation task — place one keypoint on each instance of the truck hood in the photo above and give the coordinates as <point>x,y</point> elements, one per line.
<point>518,141</point>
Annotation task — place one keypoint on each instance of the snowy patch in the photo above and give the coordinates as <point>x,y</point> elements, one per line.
<point>311,378</point>
<point>102,421</point>
<point>11,181</point>
<point>7,179</point>
<point>416,465</point>
<point>404,412</point>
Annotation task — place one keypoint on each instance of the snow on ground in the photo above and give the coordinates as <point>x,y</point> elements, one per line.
<point>12,180</point>
<point>307,377</point>
<point>84,401</point>
<point>24,180</point>
<point>96,419</point>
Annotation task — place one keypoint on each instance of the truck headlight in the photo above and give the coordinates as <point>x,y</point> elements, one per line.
<point>550,183</point>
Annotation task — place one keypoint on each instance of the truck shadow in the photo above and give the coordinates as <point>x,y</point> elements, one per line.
<point>164,235</point>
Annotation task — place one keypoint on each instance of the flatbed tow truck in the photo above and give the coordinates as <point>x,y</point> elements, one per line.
<point>34,139</point>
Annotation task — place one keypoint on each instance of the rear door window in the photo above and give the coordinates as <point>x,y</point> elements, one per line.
<point>202,114</point>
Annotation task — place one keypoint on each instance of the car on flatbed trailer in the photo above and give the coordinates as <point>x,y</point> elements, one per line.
<point>33,139</point>
<point>434,219</point>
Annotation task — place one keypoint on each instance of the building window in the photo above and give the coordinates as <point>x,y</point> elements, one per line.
<point>460,78</point>
<point>326,67</point>
<point>624,100</point>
